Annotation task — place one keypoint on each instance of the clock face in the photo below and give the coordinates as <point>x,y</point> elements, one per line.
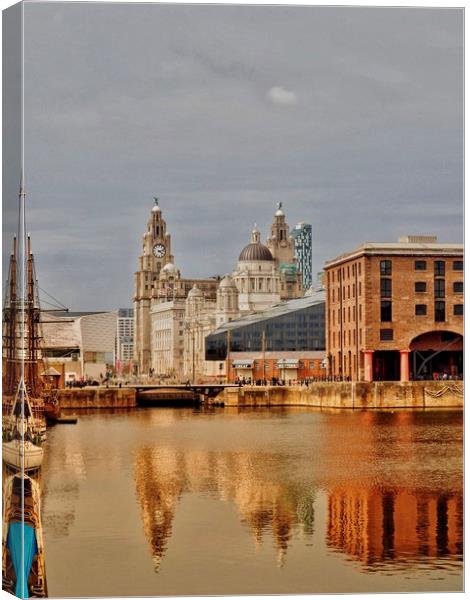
<point>159,250</point>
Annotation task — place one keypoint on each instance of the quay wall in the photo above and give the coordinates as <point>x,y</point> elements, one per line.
<point>357,395</point>
<point>97,397</point>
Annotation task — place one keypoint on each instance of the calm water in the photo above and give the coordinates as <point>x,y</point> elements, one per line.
<point>176,501</point>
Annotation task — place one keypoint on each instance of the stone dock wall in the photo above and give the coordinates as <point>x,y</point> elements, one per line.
<point>360,395</point>
<point>97,397</point>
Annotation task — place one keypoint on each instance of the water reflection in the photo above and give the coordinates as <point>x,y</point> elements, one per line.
<point>382,526</point>
<point>265,506</point>
<point>388,528</point>
<point>254,501</point>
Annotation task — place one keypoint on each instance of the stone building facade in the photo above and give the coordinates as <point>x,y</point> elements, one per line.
<point>282,247</point>
<point>394,311</point>
<point>159,302</point>
<point>256,277</point>
<point>173,315</point>
<point>156,252</point>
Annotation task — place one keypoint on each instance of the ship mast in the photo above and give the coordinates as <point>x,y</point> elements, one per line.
<point>21,315</point>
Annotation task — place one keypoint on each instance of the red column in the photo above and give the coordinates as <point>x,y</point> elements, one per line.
<point>368,372</point>
<point>404,365</point>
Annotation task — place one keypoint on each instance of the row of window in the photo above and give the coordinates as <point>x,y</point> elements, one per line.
<point>421,286</point>
<point>346,313</point>
<point>350,290</point>
<point>420,310</point>
<point>345,272</point>
<point>421,265</point>
<point>348,337</point>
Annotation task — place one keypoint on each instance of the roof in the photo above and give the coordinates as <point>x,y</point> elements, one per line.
<point>278,310</point>
<point>255,251</point>
<point>59,332</point>
<point>50,372</point>
<point>398,249</point>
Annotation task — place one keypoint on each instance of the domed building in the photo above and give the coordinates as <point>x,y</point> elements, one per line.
<point>256,276</point>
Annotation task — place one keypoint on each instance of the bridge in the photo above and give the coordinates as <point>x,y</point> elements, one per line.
<point>177,393</point>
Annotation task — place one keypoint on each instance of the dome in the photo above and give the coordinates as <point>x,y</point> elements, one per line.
<point>255,251</point>
<point>169,268</point>
<point>195,292</point>
<point>227,282</point>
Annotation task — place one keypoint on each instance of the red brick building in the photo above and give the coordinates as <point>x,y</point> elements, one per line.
<point>394,311</point>
<point>285,366</point>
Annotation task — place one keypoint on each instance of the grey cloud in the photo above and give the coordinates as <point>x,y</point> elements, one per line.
<point>124,102</point>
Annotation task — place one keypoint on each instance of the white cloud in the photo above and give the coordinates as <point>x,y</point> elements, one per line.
<point>279,95</point>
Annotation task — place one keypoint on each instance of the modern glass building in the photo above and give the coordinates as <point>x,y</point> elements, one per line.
<point>295,325</point>
<point>302,235</point>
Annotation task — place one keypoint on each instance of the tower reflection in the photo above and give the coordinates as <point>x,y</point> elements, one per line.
<point>267,506</point>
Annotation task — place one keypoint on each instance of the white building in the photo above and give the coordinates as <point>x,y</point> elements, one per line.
<point>167,319</point>
<point>84,343</point>
<point>256,277</point>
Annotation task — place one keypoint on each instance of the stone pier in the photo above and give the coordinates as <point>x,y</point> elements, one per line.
<point>97,397</point>
<point>359,395</point>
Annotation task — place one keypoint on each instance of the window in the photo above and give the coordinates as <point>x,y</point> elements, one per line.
<point>458,310</point>
<point>457,265</point>
<point>420,310</point>
<point>386,311</point>
<point>420,286</point>
<point>439,267</point>
<point>420,265</point>
<point>385,267</point>
<point>439,288</point>
<point>386,335</point>
<point>458,287</point>
<point>386,288</point>
<point>439,311</point>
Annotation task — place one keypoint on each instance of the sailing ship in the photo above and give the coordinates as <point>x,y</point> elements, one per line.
<point>23,425</point>
<point>21,344</point>
<point>23,572</point>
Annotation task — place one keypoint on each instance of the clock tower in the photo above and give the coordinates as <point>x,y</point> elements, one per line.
<point>156,253</point>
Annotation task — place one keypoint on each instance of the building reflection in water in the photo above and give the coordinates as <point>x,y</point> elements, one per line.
<point>265,507</point>
<point>376,526</point>
<point>382,510</point>
<point>394,525</point>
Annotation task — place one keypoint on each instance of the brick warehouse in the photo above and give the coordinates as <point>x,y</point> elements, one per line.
<point>394,311</point>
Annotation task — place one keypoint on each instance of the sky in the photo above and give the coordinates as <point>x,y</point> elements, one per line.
<point>351,117</point>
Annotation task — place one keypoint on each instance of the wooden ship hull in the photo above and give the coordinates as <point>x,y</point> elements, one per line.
<point>23,538</point>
